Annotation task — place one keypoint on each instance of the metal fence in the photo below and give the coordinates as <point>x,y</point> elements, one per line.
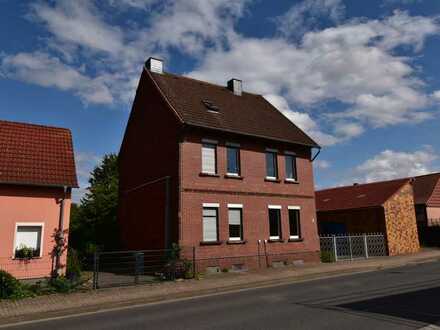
<point>143,266</point>
<point>350,247</point>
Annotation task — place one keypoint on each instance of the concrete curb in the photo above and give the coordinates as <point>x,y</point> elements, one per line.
<point>192,294</point>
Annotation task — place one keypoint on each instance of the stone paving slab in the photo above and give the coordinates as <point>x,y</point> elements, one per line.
<point>64,304</point>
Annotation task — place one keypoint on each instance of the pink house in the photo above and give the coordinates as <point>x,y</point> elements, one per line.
<point>37,174</point>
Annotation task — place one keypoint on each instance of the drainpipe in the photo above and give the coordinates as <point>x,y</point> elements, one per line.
<point>59,239</point>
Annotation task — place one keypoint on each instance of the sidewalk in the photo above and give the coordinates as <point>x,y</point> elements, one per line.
<point>61,305</point>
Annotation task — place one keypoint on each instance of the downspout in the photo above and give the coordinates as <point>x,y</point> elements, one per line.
<point>59,239</point>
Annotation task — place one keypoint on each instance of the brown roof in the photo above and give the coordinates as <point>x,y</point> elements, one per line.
<point>357,196</point>
<point>427,189</point>
<point>36,155</point>
<point>248,114</point>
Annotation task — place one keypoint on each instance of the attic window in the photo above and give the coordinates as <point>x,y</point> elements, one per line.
<point>361,196</point>
<point>326,200</point>
<point>210,106</point>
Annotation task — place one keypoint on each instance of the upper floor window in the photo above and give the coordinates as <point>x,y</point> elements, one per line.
<point>233,159</point>
<point>209,157</point>
<point>291,174</point>
<point>294,222</point>
<point>271,164</point>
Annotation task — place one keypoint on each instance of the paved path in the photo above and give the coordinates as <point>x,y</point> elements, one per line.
<point>399,298</point>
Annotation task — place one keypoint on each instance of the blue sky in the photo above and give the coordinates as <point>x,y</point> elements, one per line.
<point>361,77</point>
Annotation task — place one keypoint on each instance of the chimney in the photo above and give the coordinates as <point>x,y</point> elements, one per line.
<point>154,65</point>
<point>235,86</point>
<point>355,184</point>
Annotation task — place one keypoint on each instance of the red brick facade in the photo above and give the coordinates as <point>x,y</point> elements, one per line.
<point>157,145</point>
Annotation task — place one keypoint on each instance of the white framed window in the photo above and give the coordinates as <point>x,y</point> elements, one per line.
<point>294,222</point>
<point>28,235</point>
<point>290,162</point>
<point>210,222</point>
<point>209,157</point>
<point>271,164</point>
<point>274,222</point>
<point>235,215</point>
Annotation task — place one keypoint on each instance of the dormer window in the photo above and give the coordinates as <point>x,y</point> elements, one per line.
<point>210,106</point>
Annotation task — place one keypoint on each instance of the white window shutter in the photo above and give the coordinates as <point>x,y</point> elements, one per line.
<point>234,217</point>
<point>208,158</point>
<point>209,225</point>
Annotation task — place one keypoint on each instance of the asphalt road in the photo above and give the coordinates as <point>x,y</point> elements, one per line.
<point>401,298</point>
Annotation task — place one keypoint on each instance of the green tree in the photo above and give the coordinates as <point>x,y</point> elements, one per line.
<point>94,220</point>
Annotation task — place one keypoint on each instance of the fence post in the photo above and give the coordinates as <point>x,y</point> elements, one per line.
<point>366,246</point>
<point>351,248</point>
<point>334,248</point>
<point>95,270</point>
<point>194,262</point>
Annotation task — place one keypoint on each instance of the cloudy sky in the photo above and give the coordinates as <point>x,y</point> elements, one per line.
<point>361,77</point>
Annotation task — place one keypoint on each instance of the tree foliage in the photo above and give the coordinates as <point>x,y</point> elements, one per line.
<point>94,220</point>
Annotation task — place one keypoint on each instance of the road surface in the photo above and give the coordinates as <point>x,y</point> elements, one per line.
<point>401,298</point>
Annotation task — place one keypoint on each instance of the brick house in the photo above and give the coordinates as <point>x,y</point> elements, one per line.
<point>380,207</point>
<point>37,173</point>
<point>236,174</point>
<point>427,204</point>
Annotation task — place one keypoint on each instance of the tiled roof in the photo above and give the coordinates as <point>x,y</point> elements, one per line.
<point>36,155</point>
<point>357,196</point>
<point>427,189</point>
<point>248,114</point>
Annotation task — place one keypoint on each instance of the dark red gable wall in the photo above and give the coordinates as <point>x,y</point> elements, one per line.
<point>149,151</point>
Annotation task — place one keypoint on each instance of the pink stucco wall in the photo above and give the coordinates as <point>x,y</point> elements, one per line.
<point>20,204</point>
<point>433,212</point>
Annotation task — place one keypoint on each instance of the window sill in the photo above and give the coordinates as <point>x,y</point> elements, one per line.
<point>236,177</point>
<point>291,181</point>
<point>279,240</point>
<point>209,175</point>
<point>28,259</point>
<point>211,243</point>
<point>272,180</point>
<point>236,242</point>
<point>296,239</point>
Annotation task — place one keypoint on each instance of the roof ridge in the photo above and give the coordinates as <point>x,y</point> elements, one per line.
<point>33,125</point>
<point>423,175</point>
<point>203,82</point>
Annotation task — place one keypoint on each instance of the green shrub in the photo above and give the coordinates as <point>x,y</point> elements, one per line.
<point>24,252</point>
<point>62,284</point>
<point>327,256</point>
<point>11,288</point>
<point>73,270</point>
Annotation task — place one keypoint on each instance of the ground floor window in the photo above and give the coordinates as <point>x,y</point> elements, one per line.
<point>294,222</point>
<point>28,241</point>
<point>274,222</point>
<point>235,214</point>
<point>210,222</point>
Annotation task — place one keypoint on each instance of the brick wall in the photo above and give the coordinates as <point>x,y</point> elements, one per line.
<point>255,194</point>
<point>149,151</point>
<point>400,220</point>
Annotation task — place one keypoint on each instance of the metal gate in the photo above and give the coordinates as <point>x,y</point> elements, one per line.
<point>350,247</point>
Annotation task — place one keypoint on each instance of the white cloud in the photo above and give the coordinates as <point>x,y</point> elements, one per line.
<point>79,22</point>
<point>322,164</point>
<point>192,25</point>
<point>391,164</point>
<point>305,15</point>
<point>436,95</point>
<point>85,163</point>
<point>40,69</point>
<point>352,63</point>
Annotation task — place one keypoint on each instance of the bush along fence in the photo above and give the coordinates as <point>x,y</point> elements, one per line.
<point>352,246</point>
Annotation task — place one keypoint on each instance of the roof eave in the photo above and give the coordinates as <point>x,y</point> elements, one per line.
<point>33,184</point>
<point>252,135</point>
